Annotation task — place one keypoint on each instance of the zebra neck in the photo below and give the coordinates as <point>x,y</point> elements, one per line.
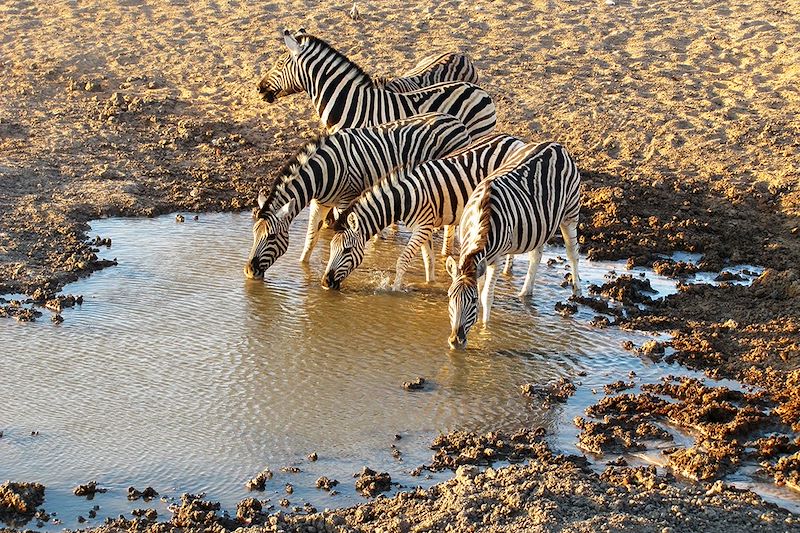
<point>292,190</point>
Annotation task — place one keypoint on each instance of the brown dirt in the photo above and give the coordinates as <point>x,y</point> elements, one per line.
<point>18,502</point>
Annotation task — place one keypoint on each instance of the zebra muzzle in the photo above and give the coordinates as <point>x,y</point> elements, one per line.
<point>329,281</point>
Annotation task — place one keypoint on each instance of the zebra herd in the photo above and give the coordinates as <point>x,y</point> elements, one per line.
<point>417,150</point>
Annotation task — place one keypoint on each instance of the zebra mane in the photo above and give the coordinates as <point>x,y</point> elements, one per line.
<point>366,77</point>
<point>477,242</point>
<point>392,178</point>
<point>290,169</point>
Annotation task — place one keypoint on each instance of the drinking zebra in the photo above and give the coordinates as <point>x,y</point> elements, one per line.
<point>425,197</point>
<point>515,210</point>
<point>335,168</point>
<point>345,97</point>
<point>280,81</point>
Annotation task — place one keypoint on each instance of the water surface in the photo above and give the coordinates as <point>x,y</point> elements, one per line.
<point>176,372</point>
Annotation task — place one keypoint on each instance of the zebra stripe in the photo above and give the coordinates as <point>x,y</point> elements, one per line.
<point>425,197</point>
<point>346,97</point>
<point>334,169</point>
<point>515,210</point>
<point>282,80</point>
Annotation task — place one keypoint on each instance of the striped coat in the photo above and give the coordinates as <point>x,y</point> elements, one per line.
<point>515,210</point>
<point>334,169</point>
<point>346,97</point>
<point>425,197</point>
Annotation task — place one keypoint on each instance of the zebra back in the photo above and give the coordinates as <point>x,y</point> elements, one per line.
<point>433,192</point>
<point>520,206</point>
<point>439,68</point>
<point>345,97</point>
<point>335,168</point>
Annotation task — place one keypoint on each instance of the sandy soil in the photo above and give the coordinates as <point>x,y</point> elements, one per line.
<point>684,118</point>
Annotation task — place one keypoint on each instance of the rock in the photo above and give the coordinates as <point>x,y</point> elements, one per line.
<point>558,391</point>
<point>566,309</point>
<point>179,218</point>
<point>312,456</point>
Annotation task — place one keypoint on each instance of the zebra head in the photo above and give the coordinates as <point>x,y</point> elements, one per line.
<point>463,300</point>
<point>283,78</point>
<point>270,238</point>
<point>347,252</point>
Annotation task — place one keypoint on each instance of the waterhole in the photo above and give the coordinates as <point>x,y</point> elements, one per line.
<point>178,373</point>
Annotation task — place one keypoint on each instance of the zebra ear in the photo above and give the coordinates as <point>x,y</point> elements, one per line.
<point>480,269</point>
<point>352,221</point>
<point>291,42</point>
<point>262,199</point>
<point>452,267</point>
<point>284,211</point>
<point>301,30</point>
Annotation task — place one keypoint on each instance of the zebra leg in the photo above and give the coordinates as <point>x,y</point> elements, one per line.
<point>420,236</point>
<point>487,297</point>
<point>509,265</point>
<point>316,216</point>
<point>429,261</point>
<point>569,230</point>
<point>448,239</point>
<point>534,258</point>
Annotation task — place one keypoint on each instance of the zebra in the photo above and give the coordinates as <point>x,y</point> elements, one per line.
<point>345,97</point>
<point>280,81</point>
<point>426,197</point>
<point>515,210</point>
<point>334,169</point>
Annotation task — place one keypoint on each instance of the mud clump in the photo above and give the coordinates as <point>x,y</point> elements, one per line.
<point>18,501</point>
<point>147,494</point>
<point>617,386</point>
<point>259,481</point>
<point>416,384</point>
<point>557,391</point>
<point>371,483</point>
<point>625,289</point>
<point>249,511</point>
<point>465,448</point>
<point>672,269</point>
<point>326,483</point>
<point>150,515</point>
<point>705,462</point>
<point>566,309</point>
<point>89,490</point>
<point>194,512</point>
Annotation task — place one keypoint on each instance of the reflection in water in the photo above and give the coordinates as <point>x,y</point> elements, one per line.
<point>178,373</point>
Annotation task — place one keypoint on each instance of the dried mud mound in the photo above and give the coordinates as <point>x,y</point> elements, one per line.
<point>18,502</point>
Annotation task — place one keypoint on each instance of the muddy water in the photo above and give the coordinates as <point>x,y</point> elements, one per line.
<point>176,372</point>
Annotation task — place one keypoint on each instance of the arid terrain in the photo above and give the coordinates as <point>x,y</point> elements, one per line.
<point>684,118</point>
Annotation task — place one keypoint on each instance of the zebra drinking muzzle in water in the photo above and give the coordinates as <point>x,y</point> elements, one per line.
<point>334,169</point>
<point>515,210</point>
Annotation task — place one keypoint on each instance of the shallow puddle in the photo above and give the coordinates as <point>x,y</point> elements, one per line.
<point>176,372</point>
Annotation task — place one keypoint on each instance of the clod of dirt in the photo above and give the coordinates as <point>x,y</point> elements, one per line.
<point>625,289</point>
<point>179,218</point>
<point>88,490</point>
<point>371,483</point>
<point>150,515</point>
<point>617,435</point>
<point>787,471</point>
<point>260,480</point>
<point>147,494</point>
<point>289,488</point>
<point>290,470</point>
<point>326,483</point>
<point>249,511</point>
<point>312,456</point>
<point>701,463</point>
<point>671,269</point>
<point>417,384</point>
<point>557,391</point>
<point>729,276</point>
<point>465,448</point>
<point>18,501</point>
<point>566,309</point>
<point>617,386</point>
<point>193,512</point>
